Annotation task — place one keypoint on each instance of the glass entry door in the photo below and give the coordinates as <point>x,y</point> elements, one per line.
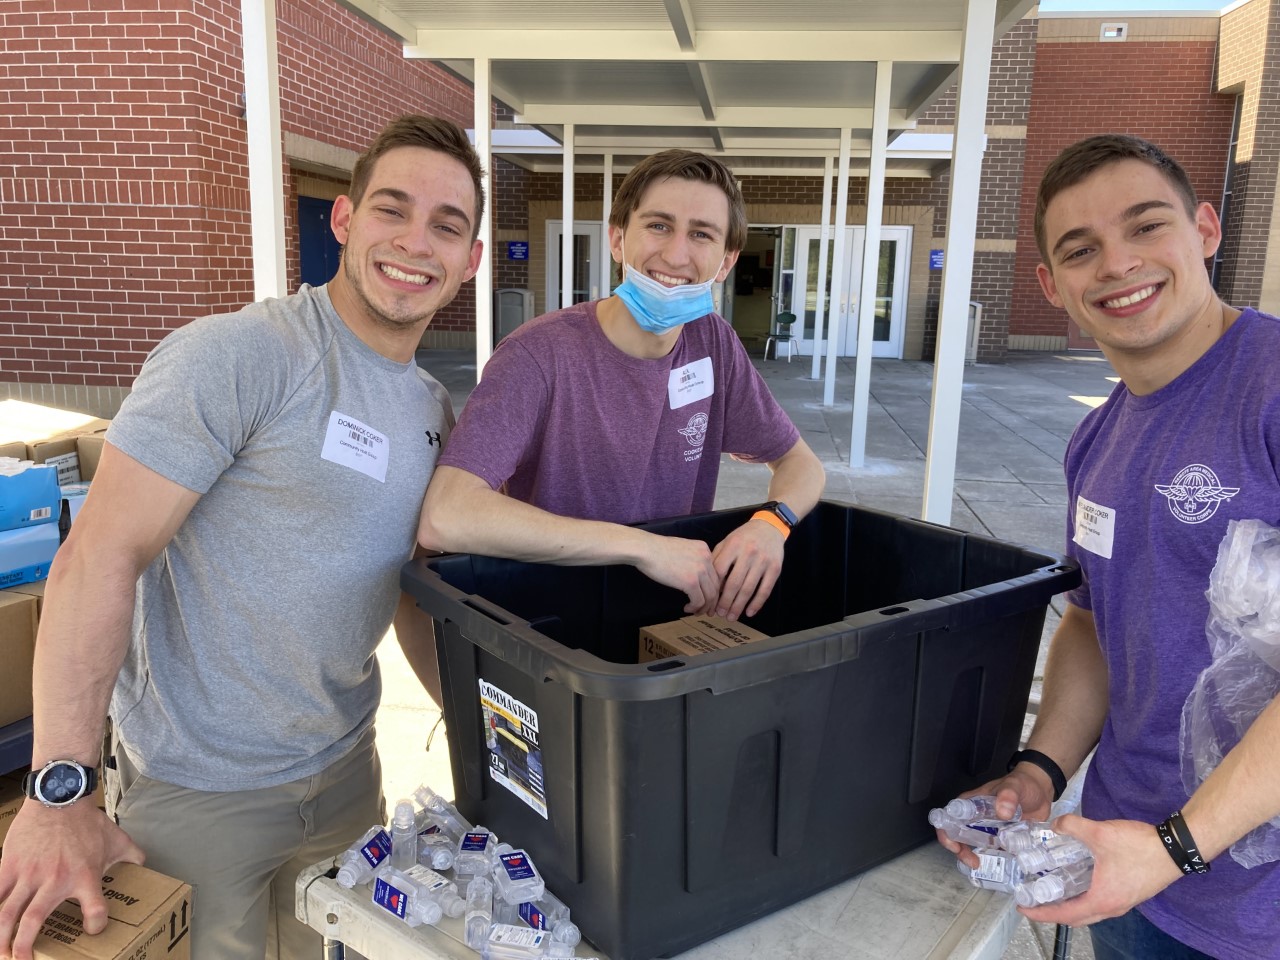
<point>891,292</point>
<point>587,262</point>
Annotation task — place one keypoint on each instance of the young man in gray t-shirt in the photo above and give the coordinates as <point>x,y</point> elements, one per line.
<point>235,565</point>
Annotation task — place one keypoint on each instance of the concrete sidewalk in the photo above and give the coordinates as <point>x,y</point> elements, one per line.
<point>1015,420</point>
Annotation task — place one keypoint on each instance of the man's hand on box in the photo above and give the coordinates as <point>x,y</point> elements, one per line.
<point>54,855</point>
<point>747,562</point>
<point>685,565</point>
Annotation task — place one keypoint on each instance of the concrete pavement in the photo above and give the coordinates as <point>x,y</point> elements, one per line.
<point>1015,420</point>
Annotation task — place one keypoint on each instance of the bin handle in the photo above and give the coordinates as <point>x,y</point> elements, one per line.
<point>516,641</point>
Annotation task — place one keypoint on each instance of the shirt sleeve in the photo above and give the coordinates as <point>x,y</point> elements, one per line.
<point>502,418</point>
<point>198,398</point>
<point>1080,595</point>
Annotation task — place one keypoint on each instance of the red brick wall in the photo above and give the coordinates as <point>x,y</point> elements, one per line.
<point>1249,67</point>
<point>1163,91</point>
<point>122,198</point>
<point>123,185</point>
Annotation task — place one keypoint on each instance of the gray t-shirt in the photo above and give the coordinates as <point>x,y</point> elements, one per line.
<point>252,661</point>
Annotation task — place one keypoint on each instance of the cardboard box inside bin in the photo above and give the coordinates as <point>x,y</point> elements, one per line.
<point>690,636</point>
<point>11,798</point>
<point>149,918</point>
<point>18,619</point>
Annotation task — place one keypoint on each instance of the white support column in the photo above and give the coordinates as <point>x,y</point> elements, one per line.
<point>606,259</point>
<point>870,265</point>
<point>484,276</point>
<point>824,237</point>
<point>837,268</point>
<point>266,161</point>
<point>566,235</point>
<point>957,274</point>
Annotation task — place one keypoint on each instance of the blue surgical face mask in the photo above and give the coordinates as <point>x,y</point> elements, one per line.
<point>659,308</point>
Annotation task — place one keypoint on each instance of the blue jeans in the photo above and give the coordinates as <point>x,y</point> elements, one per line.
<point>1132,936</point>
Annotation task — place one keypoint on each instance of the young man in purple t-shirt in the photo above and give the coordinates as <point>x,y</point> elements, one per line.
<point>1187,442</point>
<point>617,411</point>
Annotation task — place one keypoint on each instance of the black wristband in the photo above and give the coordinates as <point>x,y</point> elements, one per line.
<point>1180,845</point>
<point>1045,763</point>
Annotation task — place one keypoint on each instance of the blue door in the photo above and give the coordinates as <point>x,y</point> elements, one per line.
<point>318,248</point>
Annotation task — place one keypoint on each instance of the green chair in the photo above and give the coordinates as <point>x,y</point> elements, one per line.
<point>781,334</point>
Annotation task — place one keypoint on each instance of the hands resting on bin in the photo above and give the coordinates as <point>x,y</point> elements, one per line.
<point>734,578</point>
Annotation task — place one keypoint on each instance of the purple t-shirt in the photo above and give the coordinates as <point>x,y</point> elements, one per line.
<point>1152,482</point>
<point>575,426</point>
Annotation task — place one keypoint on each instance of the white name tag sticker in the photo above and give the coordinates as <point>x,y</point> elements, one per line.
<point>350,443</point>
<point>691,383</point>
<point>1095,527</point>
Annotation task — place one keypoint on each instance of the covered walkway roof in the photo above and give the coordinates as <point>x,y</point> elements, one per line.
<point>766,85</point>
<point>771,87</point>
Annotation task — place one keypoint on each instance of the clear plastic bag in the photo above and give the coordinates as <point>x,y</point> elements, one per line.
<point>1243,631</point>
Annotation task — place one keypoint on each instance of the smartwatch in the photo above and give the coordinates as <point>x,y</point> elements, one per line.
<point>60,783</point>
<point>778,515</point>
<point>781,511</point>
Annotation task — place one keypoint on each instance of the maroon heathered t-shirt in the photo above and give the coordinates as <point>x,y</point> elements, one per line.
<point>577,427</point>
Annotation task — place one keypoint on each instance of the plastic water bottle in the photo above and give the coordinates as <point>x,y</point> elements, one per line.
<point>436,848</point>
<point>979,833</point>
<point>509,942</point>
<point>1025,834</point>
<point>359,862</point>
<point>1058,852</point>
<point>517,879</point>
<point>996,870</point>
<point>479,913</point>
<point>406,897</point>
<point>454,822</point>
<point>404,837</point>
<point>475,854</point>
<point>549,912</point>
<point>1062,884</point>
<point>440,889</point>
<point>982,807</point>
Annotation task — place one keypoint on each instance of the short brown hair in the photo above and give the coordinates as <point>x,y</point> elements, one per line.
<point>1081,160</point>
<point>430,133</point>
<point>682,165</point>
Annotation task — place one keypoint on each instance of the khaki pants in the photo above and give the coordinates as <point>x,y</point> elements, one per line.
<point>242,851</point>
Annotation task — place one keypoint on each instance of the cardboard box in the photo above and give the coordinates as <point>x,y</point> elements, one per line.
<point>49,434</point>
<point>17,653</point>
<point>690,636</point>
<point>89,451</point>
<point>11,798</point>
<point>149,918</point>
<point>35,589</point>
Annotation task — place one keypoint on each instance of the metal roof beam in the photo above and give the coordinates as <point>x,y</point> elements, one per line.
<point>656,115</point>
<point>701,82</point>
<point>770,147</point>
<point>790,46</point>
<point>681,18</point>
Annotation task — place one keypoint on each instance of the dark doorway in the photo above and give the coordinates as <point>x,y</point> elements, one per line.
<point>318,248</point>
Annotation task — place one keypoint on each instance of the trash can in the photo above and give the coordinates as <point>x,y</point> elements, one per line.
<point>511,307</point>
<point>668,802</point>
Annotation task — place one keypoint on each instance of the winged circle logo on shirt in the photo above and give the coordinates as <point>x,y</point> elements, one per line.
<point>1194,494</point>
<point>696,434</point>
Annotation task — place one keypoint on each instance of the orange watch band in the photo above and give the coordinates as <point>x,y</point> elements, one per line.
<point>775,521</point>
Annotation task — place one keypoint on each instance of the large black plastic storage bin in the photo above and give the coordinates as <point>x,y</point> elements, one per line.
<point>669,802</point>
